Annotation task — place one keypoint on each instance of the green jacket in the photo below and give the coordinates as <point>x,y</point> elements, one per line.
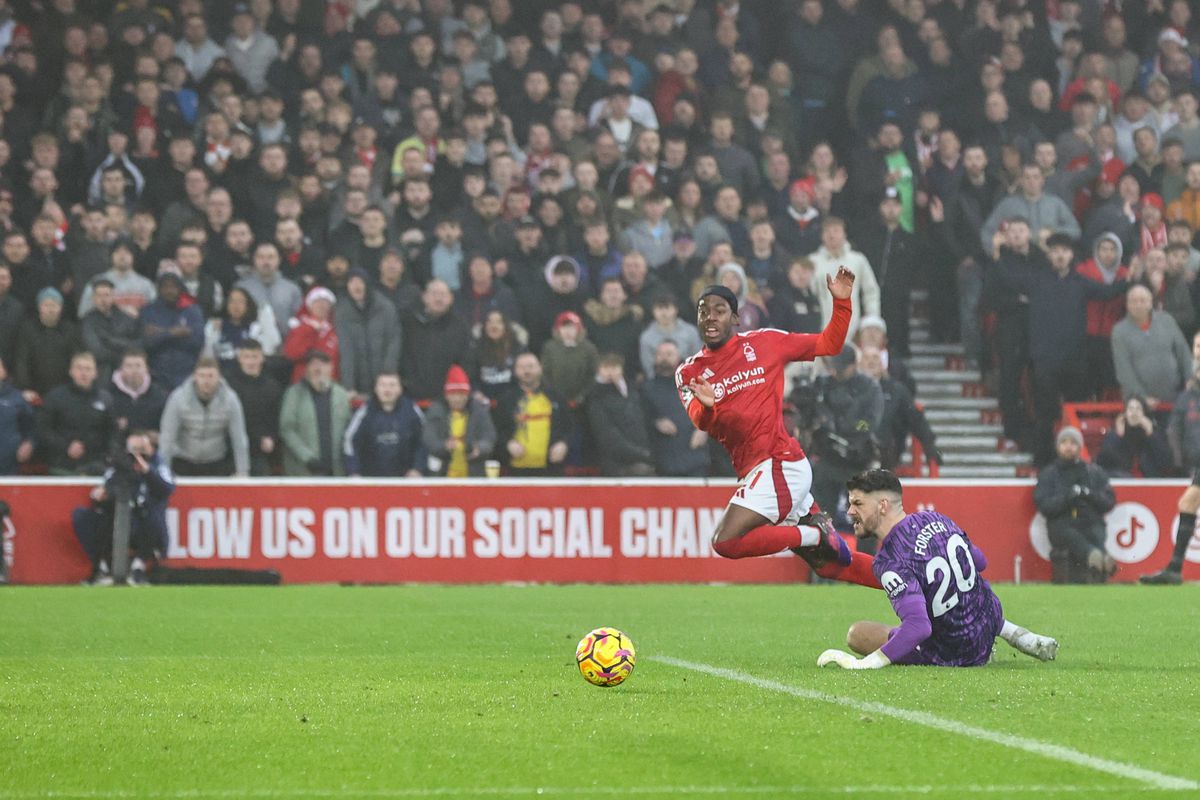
<point>298,428</point>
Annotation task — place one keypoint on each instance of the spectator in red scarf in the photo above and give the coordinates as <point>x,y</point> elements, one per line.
<point>1152,232</point>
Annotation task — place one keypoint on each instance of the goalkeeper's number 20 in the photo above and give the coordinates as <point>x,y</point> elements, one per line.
<point>939,571</point>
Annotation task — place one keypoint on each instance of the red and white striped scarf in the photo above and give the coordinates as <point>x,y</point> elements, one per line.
<point>1153,238</point>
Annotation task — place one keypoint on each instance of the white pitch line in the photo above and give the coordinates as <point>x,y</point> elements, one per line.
<point>1056,752</point>
<point>549,791</point>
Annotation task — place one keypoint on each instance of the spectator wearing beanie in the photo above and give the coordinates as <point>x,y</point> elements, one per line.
<point>799,228</point>
<point>312,329</point>
<point>561,290</point>
<point>569,359</point>
<point>369,335</point>
<point>1152,233</point>
<point>751,313</point>
<point>45,345</point>
<point>1103,267</point>
<point>459,434</point>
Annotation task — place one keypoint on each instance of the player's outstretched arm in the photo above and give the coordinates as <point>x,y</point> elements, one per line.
<point>833,337</point>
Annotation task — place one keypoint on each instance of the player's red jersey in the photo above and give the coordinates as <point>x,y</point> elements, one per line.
<point>746,374</point>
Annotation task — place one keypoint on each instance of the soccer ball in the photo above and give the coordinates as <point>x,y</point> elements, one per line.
<point>605,657</point>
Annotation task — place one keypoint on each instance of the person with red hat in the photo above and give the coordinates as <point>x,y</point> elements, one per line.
<point>799,228</point>
<point>458,433</point>
<point>1152,233</point>
<point>312,329</point>
<point>569,358</point>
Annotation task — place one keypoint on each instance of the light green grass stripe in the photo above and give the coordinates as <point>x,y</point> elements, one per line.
<point>1149,777</point>
<point>555,791</point>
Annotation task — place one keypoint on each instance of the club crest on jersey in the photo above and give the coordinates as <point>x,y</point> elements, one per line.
<point>748,352</point>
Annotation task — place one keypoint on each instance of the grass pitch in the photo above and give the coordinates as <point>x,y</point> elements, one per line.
<point>338,692</point>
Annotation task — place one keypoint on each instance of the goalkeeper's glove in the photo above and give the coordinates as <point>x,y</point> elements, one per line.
<point>846,661</point>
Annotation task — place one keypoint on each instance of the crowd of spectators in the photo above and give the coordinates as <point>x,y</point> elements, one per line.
<point>401,237</point>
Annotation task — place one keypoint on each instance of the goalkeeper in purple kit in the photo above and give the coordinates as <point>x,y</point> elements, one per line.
<point>932,573</point>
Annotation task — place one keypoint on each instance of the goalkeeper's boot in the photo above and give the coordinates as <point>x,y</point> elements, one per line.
<point>1168,577</point>
<point>829,549</point>
<point>1043,648</point>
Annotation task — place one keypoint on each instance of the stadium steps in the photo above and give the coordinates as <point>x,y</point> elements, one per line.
<point>967,444</point>
<point>960,388</point>
<point>965,419</point>
<point>977,471</point>
<point>971,429</point>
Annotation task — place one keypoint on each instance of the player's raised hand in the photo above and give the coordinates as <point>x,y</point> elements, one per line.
<point>703,391</point>
<point>841,286</point>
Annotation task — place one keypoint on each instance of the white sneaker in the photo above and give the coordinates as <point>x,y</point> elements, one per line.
<point>137,574</point>
<point>1043,648</point>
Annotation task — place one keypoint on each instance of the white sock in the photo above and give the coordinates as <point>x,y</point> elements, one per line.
<point>809,536</point>
<point>1010,632</point>
<point>137,563</point>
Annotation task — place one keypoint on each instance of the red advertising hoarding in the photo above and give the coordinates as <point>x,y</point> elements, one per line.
<point>527,531</point>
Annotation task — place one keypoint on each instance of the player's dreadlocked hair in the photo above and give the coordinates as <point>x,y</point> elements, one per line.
<point>875,480</point>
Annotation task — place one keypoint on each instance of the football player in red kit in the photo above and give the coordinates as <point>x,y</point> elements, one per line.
<point>733,390</point>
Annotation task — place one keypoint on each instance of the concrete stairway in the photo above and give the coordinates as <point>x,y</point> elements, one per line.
<point>965,419</point>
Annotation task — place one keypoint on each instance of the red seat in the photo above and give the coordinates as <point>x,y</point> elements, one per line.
<point>1094,429</point>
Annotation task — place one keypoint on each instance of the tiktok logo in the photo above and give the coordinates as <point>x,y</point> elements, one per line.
<point>1132,532</point>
